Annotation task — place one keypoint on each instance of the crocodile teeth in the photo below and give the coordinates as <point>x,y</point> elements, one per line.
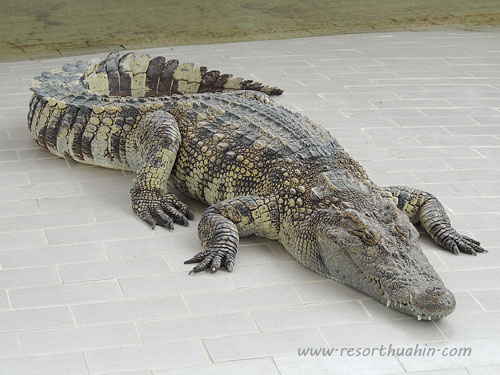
<point>429,318</point>
<point>388,303</point>
<point>411,298</point>
<point>419,317</point>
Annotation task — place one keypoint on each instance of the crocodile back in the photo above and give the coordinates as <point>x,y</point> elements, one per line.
<point>234,145</point>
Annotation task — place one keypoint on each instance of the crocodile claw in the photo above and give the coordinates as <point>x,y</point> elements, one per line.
<point>161,208</point>
<point>189,214</point>
<point>213,260</point>
<point>458,243</point>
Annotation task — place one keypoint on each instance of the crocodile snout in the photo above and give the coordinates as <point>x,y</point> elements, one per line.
<point>434,302</point>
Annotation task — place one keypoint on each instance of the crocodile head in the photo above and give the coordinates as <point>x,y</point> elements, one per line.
<point>372,246</point>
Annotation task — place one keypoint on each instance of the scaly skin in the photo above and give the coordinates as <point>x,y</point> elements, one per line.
<point>262,169</point>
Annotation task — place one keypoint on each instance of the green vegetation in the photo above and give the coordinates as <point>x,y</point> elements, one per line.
<point>54,27</point>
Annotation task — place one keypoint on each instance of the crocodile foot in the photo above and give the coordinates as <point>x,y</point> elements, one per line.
<point>458,243</point>
<point>213,259</point>
<point>160,208</point>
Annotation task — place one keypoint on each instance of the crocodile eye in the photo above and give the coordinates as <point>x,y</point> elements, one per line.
<point>371,237</point>
<point>401,228</point>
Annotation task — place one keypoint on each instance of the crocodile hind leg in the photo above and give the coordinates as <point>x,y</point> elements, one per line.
<point>223,223</point>
<point>424,208</point>
<point>158,139</point>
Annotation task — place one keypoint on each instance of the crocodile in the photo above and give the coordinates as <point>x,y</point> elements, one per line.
<point>261,169</point>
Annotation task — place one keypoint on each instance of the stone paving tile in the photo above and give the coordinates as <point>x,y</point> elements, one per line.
<point>459,175</point>
<point>142,357</point>
<point>381,142</point>
<point>261,366</point>
<point>22,240</point>
<point>45,220</point>
<point>489,299</point>
<point>129,310</point>
<point>96,232</point>
<point>52,255</point>
<point>79,273</point>
<point>78,339</point>
<point>198,327</point>
<point>473,221</point>
<point>434,153</point>
<point>310,315</point>
<point>470,205</point>
<point>476,130</point>
<point>456,371</point>
<point>74,201</point>
<point>242,299</point>
<point>32,153</point>
<point>14,179</point>
<point>468,140</point>
<point>9,347</point>
<point>42,192</point>
<point>113,269</point>
<point>375,333</point>
<point>32,165</point>
<point>402,165</point>
<point>266,274</point>
<point>326,291</point>
<point>482,351</point>
<point>117,184</point>
<point>25,277</point>
<point>451,189</point>
<point>174,283</point>
<point>489,238</point>
<point>35,319</point>
<point>14,144</point>
<point>483,369</point>
<point>294,365</point>
<point>467,280</point>
<point>406,122</point>
<point>4,302</point>
<point>258,345</point>
<point>394,178</point>
<point>113,213</point>
<point>80,174</point>
<point>59,364</point>
<point>467,303</point>
<point>466,326</point>
<point>77,293</point>
<point>8,156</point>
<point>147,246</point>
<point>407,132</point>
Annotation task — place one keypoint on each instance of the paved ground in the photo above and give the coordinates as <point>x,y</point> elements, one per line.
<point>86,288</point>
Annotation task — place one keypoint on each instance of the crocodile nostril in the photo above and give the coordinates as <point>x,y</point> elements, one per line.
<point>436,290</point>
<point>435,300</point>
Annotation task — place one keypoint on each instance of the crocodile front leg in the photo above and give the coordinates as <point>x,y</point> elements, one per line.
<point>424,208</point>
<point>223,223</point>
<point>158,139</point>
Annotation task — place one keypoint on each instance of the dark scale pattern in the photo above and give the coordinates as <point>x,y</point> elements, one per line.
<point>263,170</point>
<point>34,102</point>
<point>75,136</point>
<point>167,85</point>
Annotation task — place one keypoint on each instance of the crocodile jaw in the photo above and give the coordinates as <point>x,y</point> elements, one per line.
<point>430,303</point>
<point>417,291</point>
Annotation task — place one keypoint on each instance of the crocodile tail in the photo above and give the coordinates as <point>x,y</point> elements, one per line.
<point>142,76</point>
